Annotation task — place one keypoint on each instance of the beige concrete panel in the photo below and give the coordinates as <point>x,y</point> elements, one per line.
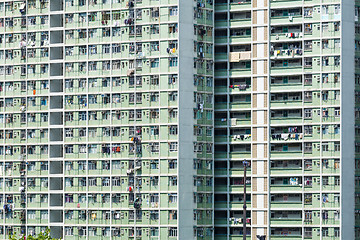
<point>266,34</point>
<point>265,83</point>
<point>253,235</point>
<point>266,218</point>
<point>254,84</point>
<point>265,184</point>
<point>234,57</point>
<point>265,117</point>
<point>254,51</point>
<point>254,185</point>
<point>265,134</point>
<point>254,201</point>
<point>265,150</point>
<point>265,16</point>
<point>254,218</point>
<point>265,50</point>
<point>254,167</point>
<point>254,135</point>
<point>254,65</point>
<point>265,168</point>
<point>254,101</point>
<point>265,67</point>
<point>265,100</point>
<point>254,151</point>
<point>265,201</point>
<point>254,117</point>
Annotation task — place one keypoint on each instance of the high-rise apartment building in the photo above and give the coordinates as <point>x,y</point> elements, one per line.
<point>285,101</point>
<point>131,119</point>
<point>96,127</point>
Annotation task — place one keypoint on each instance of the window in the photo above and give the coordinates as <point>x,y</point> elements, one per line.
<point>173,11</point>
<point>208,131</point>
<point>116,181</point>
<point>325,147</point>
<point>69,231</point>
<point>173,28</point>
<point>308,232</point>
<point>172,232</point>
<point>173,96</point>
<point>82,165</point>
<point>325,180</point>
<point>44,215</point>
<point>154,80</point>
<point>173,130</point>
<point>69,182</point>
<point>31,198</point>
<point>69,132</point>
<point>155,63</point>
<point>308,147</point>
<point>106,49</point>
<point>106,182</point>
<point>173,147</point>
<point>337,9</point>
<point>308,62</point>
<point>82,148</point>
<point>69,148</point>
<point>116,48</point>
<point>308,215</point>
<point>172,198</point>
<point>44,166</point>
<point>337,60</point>
<point>31,166</point>
<point>325,27</point>
<point>92,182</point>
<point>308,130</point>
<point>173,181</point>
<point>138,97</point>
<point>154,232</point>
<point>337,146</point>
<point>92,165</point>
<point>172,79</point>
<point>172,215</point>
<point>337,112</point>
<point>31,214</point>
<point>138,114</point>
<point>325,232</point>
<point>172,164</point>
<point>173,113</point>
<point>154,164</point>
<point>82,116</point>
<point>82,132</point>
<point>173,62</point>
<point>154,147</point>
<point>308,113</point>
<point>337,181</point>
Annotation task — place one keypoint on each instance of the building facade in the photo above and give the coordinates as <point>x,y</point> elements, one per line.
<point>92,119</point>
<point>284,101</point>
<point>131,119</point>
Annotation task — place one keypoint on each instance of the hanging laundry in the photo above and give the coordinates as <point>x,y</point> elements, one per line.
<point>284,136</point>
<point>294,181</point>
